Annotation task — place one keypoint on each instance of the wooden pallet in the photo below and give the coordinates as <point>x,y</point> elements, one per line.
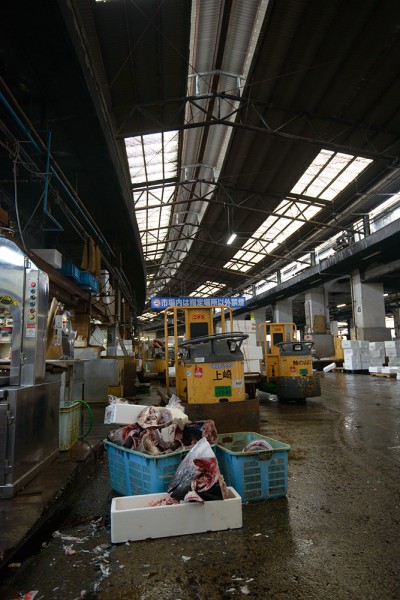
<point>387,375</point>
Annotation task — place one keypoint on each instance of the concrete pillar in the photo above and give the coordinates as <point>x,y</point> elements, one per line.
<point>259,316</point>
<point>334,327</point>
<point>283,311</point>
<point>317,322</point>
<point>368,310</point>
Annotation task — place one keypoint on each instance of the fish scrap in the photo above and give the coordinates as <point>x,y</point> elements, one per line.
<point>257,445</point>
<point>159,430</point>
<point>198,478</point>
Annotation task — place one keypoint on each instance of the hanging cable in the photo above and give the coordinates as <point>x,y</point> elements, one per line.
<point>16,200</point>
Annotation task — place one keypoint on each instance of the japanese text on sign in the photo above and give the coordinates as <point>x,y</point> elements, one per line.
<point>219,375</point>
<point>183,302</point>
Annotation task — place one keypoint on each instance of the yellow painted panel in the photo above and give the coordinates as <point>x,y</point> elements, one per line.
<point>209,382</point>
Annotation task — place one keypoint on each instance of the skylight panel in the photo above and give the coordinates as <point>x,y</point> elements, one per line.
<point>313,170</point>
<point>209,288</point>
<point>329,174</point>
<point>346,177</point>
<point>273,232</point>
<point>153,158</point>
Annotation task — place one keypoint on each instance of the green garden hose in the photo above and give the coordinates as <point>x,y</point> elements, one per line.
<point>81,437</point>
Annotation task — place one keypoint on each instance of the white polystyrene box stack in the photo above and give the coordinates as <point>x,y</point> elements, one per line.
<point>392,349</point>
<point>394,361</point>
<point>252,353</point>
<point>377,356</point>
<point>350,344</point>
<point>133,519</point>
<point>351,355</point>
<point>379,346</point>
<point>356,355</point>
<point>245,325</point>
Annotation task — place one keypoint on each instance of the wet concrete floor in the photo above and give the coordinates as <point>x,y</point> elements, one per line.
<point>335,536</point>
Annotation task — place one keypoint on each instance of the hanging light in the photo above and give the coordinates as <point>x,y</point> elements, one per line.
<point>232,235</point>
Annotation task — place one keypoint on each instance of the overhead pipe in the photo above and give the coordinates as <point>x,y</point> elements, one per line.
<point>39,148</point>
<point>46,188</point>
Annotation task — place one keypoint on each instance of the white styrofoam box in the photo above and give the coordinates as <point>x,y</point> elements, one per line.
<point>252,337</point>
<point>377,353</point>
<point>246,326</point>
<point>389,370</point>
<point>398,375</point>
<point>364,345</point>
<point>50,255</point>
<point>121,413</point>
<point>252,366</point>
<point>133,519</point>
<point>351,351</point>
<point>352,364</point>
<point>253,352</point>
<point>393,344</point>
<point>352,361</point>
<point>373,369</point>
<point>350,344</point>
<point>376,362</point>
<point>377,346</point>
<point>392,352</point>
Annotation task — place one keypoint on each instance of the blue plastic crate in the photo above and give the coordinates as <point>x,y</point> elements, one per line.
<point>71,271</point>
<point>88,282</point>
<point>133,473</point>
<point>259,475</point>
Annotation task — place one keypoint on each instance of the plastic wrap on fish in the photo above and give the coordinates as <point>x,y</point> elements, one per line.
<point>177,410</point>
<point>198,478</point>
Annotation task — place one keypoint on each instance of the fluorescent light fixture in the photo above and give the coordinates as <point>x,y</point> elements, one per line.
<point>385,295</point>
<point>231,239</point>
<point>340,305</point>
<point>371,255</point>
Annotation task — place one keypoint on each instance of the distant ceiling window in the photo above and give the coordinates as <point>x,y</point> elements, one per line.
<point>209,288</point>
<point>152,159</point>
<point>328,174</point>
<point>287,218</point>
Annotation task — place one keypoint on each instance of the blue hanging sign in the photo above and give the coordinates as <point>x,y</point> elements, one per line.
<point>189,301</point>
